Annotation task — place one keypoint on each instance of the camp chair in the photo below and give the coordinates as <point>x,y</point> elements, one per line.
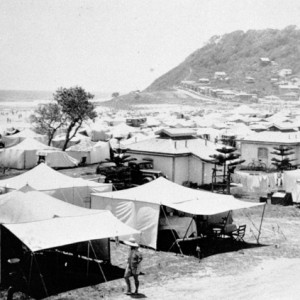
<point>239,233</point>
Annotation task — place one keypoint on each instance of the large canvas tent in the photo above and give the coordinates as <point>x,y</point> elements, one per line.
<point>42,222</point>
<point>43,178</point>
<point>291,182</point>
<point>139,207</point>
<point>93,152</point>
<point>22,155</point>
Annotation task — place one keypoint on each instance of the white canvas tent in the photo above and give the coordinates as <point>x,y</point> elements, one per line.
<point>59,140</point>
<point>94,152</point>
<point>291,184</point>
<point>43,178</point>
<point>12,140</point>
<point>42,222</point>
<point>23,155</point>
<point>139,207</point>
<point>57,158</point>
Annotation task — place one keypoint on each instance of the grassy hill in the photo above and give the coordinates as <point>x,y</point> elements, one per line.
<point>238,54</point>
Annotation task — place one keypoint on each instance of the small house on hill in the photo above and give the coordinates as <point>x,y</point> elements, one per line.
<point>179,154</point>
<point>220,76</point>
<point>292,96</point>
<point>288,88</point>
<point>264,61</point>
<point>249,79</point>
<point>285,72</point>
<point>203,81</point>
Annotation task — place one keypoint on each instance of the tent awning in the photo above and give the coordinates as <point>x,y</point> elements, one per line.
<point>164,192</point>
<point>51,233</point>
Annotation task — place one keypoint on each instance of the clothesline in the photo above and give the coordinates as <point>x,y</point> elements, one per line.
<point>258,183</point>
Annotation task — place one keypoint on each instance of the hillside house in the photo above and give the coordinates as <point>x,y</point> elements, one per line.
<point>292,96</point>
<point>245,97</point>
<point>288,88</point>
<point>285,72</point>
<point>204,81</point>
<point>220,76</point>
<point>179,154</point>
<point>249,79</point>
<point>274,80</point>
<point>226,94</point>
<point>264,61</point>
<point>188,84</point>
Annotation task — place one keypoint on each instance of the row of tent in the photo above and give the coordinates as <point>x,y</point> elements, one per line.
<point>25,155</point>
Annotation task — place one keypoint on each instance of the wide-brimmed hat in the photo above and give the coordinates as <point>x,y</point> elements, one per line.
<point>131,242</point>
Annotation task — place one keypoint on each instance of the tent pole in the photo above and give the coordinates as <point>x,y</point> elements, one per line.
<point>188,228</point>
<point>172,234</point>
<point>41,276</point>
<point>98,262</point>
<point>262,217</point>
<point>30,270</point>
<point>88,261</point>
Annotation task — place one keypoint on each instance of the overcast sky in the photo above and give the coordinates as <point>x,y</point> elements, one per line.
<point>118,45</point>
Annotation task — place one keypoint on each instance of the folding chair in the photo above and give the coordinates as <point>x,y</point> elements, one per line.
<point>239,233</point>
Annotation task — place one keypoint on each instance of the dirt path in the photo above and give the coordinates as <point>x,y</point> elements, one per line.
<point>272,279</point>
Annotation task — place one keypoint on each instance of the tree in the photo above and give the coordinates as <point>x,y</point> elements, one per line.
<point>47,119</point>
<point>76,108</point>
<point>228,159</point>
<point>115,94</point>
<point>284,162</point>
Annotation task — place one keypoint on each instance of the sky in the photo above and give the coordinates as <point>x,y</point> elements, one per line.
<point>118,45</point>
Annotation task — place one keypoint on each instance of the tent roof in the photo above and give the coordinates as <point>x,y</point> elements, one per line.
<point>31,205</point>
<point>26,133</point>
<point>83,145</point>
<point>42,222</point>
<point>164,192</point>
<point>44,178</point>
<point>244,109</point>
<point>31,144</point>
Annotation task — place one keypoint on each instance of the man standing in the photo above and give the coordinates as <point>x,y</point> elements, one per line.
<point>133,265</point>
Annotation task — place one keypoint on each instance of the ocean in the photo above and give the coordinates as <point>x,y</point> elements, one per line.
<point>25,98</point>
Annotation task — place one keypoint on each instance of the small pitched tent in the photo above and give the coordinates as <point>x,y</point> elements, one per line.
<point>59,140</point>
<point>57,158</point>
<point>93,152</point>
<point>23,155</point>
<point>139,207</point>
<point>42,222</point>
<point>43,178</point>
